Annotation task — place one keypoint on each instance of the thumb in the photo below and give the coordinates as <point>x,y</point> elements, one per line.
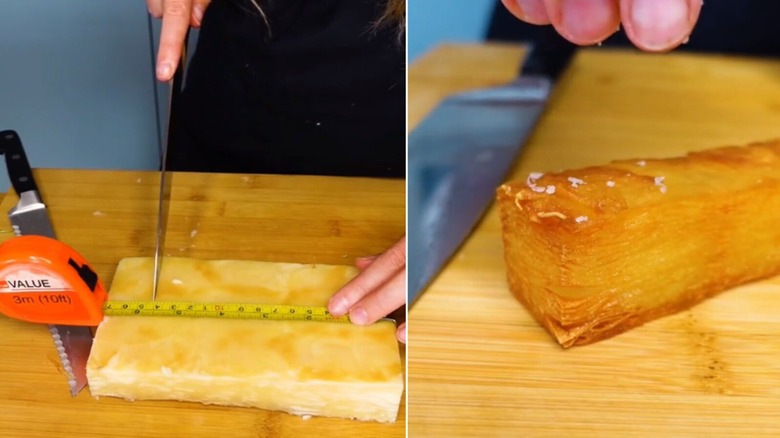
<point>659,25</point>
<point>198,10</point>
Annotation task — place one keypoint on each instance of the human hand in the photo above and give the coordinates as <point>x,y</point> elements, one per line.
<point>652,25</point>
<point>177,17</point>
<point>379,289</point>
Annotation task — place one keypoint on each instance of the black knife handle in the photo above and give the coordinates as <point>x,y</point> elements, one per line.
<point>19,170</point>
<point>549,56</point>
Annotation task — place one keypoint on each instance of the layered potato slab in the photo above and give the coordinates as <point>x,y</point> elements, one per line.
<point>594,252</point>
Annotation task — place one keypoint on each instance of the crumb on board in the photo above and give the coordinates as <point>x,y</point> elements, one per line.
<point>193,233</point>
<point>177,281</point>
<point>641,163</point>
<point>98,213</point>
<point>305,417</point>
<point>138,181</point>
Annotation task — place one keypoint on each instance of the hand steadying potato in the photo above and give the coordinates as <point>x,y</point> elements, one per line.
<point>379,289</point>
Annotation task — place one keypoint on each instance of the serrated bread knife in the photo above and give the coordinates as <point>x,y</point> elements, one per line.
<point>30,217</point>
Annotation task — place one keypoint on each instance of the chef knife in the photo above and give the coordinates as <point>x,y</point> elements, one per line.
<point>174,92</point>
<point>30,217</point>
<point>461,153</point>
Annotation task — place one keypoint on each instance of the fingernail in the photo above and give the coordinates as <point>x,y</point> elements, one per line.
<point>363,262</point>
<point>338,306</point>
<point>197,12</point>
<point>534,11</point>
<point>588,21</point>
<point>164,70</point>
<point>358,316</point>
<point>402,334</point>
<point>660,24</point>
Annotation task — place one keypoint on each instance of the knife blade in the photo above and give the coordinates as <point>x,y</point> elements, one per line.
<point>174,91</point>
<point>30,217</point>
<point>461,153</point>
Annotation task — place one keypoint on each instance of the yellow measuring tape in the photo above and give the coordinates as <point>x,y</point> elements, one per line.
<point>220,310</point>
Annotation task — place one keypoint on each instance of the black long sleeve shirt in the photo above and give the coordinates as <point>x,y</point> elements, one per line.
<point>321,92</point>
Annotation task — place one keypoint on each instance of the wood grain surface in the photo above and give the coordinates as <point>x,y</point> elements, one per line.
<point>107,215</point>
<point>478,365</point>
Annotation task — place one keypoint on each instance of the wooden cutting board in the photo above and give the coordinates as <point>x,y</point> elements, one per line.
<point>480,366</point>
<point>109,215</point>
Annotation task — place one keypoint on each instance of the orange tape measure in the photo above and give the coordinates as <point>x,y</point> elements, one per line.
<point>43,280</point>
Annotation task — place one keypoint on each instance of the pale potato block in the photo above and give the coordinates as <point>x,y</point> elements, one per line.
<point>304,368</point>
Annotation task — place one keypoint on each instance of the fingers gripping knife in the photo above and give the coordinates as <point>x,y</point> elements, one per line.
<point>42,280</point>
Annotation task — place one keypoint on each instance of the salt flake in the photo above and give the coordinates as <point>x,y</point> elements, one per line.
<point>610,183</point>
<point>532,177</point>
<point>550,190</point>
<point>531,182</point>
<point>575,182</point>
<point>641,163</point>
<point>581,219</point>
<point>659,181</point>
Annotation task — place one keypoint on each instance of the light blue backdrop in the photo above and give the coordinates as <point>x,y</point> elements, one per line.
<point>437,21</point>
<point>76,82</point>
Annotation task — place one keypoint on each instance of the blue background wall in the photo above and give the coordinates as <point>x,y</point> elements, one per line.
<point>436,21</point>
<point>76,82</point>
